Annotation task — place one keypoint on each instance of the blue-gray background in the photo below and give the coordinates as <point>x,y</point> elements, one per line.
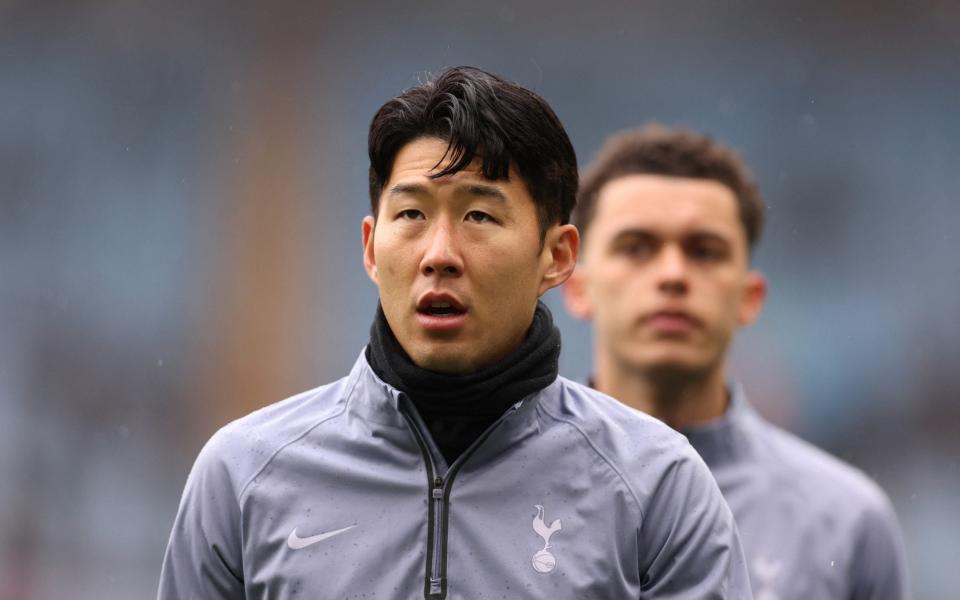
<point>182,187</point>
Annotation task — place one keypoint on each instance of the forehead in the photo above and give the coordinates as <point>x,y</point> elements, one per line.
<point>668,204</point>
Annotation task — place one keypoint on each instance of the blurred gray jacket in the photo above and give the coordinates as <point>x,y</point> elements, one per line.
<point>339,492</point>
<point>812,526</point>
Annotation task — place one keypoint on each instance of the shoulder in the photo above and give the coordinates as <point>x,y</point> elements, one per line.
<point>687,540</point>
<point>819,473</point>
<point>610,422</point>
<point>242,448</point>
<point>839,498</point>
<point>642,449</point>
<point>830,494</point>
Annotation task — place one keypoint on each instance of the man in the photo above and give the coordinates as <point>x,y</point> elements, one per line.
<point>452,461</point>
<point>669,219</point>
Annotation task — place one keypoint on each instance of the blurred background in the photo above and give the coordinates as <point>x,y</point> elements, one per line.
<point>183,184</point>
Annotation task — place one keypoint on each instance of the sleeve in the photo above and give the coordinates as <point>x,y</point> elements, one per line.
<point>879,571</point>
<point>203,560</point>
<point>690,547</point>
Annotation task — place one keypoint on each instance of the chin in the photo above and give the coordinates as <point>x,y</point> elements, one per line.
<point>674,367</point>
<point>446,361</point>
<point>456,357</point>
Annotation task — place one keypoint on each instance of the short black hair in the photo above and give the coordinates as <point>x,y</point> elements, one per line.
<point>481,115</point>
<point>658,150</point>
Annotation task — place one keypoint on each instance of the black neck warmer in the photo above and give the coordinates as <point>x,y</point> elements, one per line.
<point>458,408</point>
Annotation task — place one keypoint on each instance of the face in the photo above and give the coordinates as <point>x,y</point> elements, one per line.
<point>665,275</point>
<point>458,260</point>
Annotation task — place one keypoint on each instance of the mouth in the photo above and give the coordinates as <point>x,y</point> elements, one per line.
<point>440,305</point>
<point>440,312</point>
<point>672,322</point>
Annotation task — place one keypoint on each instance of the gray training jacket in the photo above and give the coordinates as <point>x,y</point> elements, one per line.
<point>812,526</point>
<point>339,492</point>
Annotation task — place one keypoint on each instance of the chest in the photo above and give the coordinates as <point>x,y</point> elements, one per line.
<point>527,525</point>
<point>794,548</point>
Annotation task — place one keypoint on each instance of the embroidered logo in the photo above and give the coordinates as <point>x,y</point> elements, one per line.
<point>543,561</point>
<point>765,572</point>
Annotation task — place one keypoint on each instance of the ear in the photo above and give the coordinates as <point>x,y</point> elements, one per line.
<point>560,247</point>
<point>575,295</point>
<point>367,227</point>
<point>754,295</point>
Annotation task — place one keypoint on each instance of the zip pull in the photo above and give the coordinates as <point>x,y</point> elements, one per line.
<point>437,492</point>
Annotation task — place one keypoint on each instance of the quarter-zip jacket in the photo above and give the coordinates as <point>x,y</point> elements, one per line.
<point>339,492</point>
<point>812,526</point>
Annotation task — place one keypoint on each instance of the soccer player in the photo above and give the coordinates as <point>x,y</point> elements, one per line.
<point>669,219</point>
<point>452,461</point>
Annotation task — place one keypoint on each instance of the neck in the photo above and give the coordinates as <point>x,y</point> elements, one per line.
<point>679,399</point>
<point>457,409</point>
<point>530,367</point>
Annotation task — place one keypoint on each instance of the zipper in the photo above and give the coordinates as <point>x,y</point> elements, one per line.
<point>435,585</point>
<point>436,582</point>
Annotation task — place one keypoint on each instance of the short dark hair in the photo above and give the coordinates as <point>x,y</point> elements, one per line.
<point>658,150</point>
<point>481,115</point>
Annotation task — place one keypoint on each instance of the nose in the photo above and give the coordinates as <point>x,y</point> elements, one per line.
<point>672,271</point>
<point>442,255</point>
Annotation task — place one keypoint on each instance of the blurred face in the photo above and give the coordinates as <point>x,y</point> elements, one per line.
<point>664,274</point>
<point>458,260</point>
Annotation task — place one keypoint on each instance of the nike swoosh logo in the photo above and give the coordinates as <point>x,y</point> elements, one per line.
<point>296,542</point>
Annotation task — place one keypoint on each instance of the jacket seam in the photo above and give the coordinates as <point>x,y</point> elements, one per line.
<point>252,478</point>
<point>599,453</point>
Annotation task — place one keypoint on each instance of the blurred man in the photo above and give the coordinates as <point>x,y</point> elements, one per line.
<point>452,461</point>
<point>669,219</point>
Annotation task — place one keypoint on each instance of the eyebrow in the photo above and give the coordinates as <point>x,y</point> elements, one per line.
<point>633,232</point>
<point>639,232</point>
<point>471,189</point>
<point>408,189</point>
<point>484,191</point>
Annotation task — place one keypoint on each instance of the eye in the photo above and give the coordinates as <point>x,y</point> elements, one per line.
<point>707,251</point>
<point>477,216</point>
<point>410,214</point>
<point>635,248</point>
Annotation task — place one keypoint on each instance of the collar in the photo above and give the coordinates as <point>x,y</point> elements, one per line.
<point>725,439</point>
<point>369,397</point>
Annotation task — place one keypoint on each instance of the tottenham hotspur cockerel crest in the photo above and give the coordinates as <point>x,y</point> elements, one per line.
<point>543,561</point>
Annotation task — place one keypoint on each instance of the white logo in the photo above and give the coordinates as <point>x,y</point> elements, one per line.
<point>296,542</point>
<point>765,572</point>
<point>543,561</point>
